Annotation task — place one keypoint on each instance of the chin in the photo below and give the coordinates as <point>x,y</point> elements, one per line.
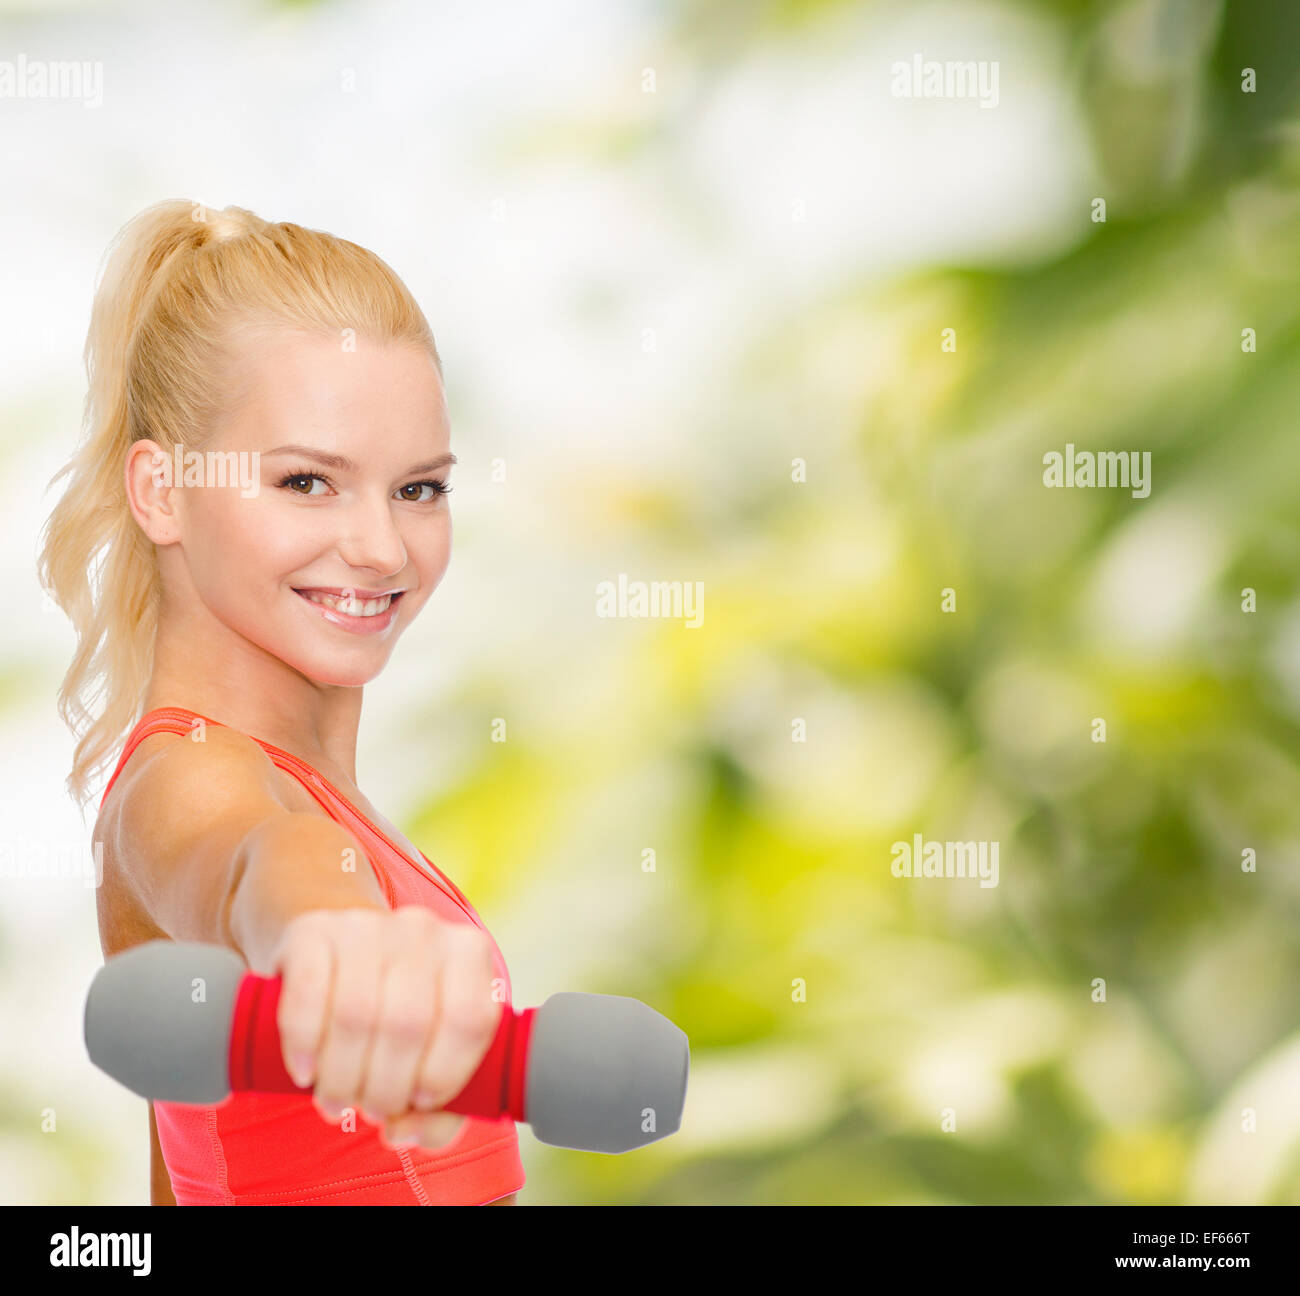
<point>336,675</point>
<point>329,669</point>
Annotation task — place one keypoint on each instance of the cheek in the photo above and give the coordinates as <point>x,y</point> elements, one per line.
<point>428,549</point>
<point>240,550</point>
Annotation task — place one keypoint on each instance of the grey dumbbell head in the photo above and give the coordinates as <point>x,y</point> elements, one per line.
<point>158,1019</point>
<point>605,1073</point>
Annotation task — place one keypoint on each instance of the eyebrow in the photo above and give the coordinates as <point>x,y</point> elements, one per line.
<point>344,464</point>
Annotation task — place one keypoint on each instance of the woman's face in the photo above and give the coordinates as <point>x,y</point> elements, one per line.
<point>347,532</point>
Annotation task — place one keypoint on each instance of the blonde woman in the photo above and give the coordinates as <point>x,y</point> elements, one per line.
<point>256,513</point>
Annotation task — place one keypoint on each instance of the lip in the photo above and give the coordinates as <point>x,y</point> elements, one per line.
<point>371,625</point>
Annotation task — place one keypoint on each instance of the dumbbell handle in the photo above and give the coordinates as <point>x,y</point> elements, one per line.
<point>496,1089</point>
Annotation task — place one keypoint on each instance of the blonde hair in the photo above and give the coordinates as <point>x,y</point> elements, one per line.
<point>178,283</point>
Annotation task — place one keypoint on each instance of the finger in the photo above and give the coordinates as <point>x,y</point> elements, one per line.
<point>408,1002</point>
<point>430,1130</point>
<point>306,969</point>
<point>467,1017</point>
<point>350,1022</point>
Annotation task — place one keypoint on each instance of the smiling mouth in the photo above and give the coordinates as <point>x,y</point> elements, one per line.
<point>351,605</point>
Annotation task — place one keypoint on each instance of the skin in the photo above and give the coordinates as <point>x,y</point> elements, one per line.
<point>389,1011</point>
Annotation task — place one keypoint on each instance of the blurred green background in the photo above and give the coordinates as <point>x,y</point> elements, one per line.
<point>663,298</point>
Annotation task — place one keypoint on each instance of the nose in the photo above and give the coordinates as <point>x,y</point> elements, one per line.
<point>371,539</point>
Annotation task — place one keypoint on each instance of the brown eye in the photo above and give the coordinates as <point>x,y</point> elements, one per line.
<point>297,481</point>
<point>436,489</point>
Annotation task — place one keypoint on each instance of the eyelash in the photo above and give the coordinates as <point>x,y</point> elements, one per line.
<point>440,487</point>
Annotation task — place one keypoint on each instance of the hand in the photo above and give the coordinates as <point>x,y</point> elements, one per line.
<point>387,1011</point>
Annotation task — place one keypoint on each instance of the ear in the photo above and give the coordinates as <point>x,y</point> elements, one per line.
<point>150,493</point>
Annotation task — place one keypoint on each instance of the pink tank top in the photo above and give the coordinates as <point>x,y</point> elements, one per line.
<point>276,1149</point>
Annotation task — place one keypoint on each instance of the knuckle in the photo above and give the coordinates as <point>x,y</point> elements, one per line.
<point>291,957</point>
<point>303,926</point>
<point>415,933</point>
<point>308,932</point>
<point>460,937</point>
<point>405,1026</point>
<point>382,1102</point>
<point>416,917</point>
<point>476,941</point>
<point>354,924</point>
<point>341,923</point>
<point>304,982</point>
<point>353,1014</point>
<point>473,1015</point>
<point>469,1005</point>
<point>470,950</point>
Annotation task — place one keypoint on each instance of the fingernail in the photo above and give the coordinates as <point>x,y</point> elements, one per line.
<point>331,1109</point>
<point>300,1068</point>
<point>423,1099</point>
<point>405,1140</point>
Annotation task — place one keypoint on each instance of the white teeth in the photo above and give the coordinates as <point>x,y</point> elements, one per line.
<point>350,606</point>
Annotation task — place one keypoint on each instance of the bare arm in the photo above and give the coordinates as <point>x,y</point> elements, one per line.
<point>288,865</point>
<point>387,1010</point>
<point>214,854</point>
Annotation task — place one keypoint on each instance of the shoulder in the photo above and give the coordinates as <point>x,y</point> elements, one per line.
<point>176,787</point>
<point>204,761</point>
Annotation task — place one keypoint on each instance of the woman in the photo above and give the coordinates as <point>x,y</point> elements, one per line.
<point>256,513</point>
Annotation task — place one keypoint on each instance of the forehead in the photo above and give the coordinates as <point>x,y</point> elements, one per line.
<point>284,380</point>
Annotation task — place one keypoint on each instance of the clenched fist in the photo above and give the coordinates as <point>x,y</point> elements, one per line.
<point>387,1011</point>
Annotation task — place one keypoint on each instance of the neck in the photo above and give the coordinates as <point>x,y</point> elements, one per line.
<point>226,678</point>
